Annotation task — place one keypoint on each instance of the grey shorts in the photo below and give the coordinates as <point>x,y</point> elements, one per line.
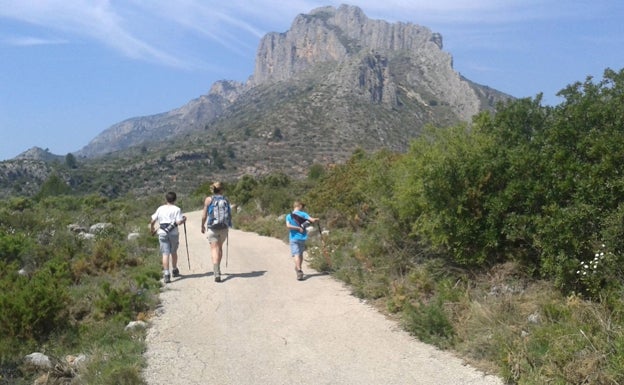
<point>169,243</point>
<point>217,235</point>
<point>297,248</point>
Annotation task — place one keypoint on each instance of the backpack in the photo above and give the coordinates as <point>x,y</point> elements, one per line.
<point>301,221</point>
<point>219,213</point>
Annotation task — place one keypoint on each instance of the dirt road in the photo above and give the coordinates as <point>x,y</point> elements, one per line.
<point>262,326</point>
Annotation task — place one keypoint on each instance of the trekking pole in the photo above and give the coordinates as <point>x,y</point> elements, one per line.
<point>227,249</point>
<point>188,257</point>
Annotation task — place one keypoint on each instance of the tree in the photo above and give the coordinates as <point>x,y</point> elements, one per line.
<point>70,160</point>
<point>53,186</point>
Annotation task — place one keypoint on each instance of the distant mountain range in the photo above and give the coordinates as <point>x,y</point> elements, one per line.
<point>334,82</point>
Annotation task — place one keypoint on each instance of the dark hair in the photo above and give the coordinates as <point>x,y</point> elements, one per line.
<point>216,187</point>
<point>171,197</point>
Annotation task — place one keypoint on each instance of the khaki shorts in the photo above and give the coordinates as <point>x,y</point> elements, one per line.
<point>217,235</point>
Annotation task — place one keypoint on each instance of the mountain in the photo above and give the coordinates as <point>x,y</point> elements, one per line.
<point>399,66</point>
<point>38,153</point>
<point>336,81</point>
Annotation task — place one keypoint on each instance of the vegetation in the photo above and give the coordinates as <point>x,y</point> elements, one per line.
<point>501,240</point>
<point>63,294</point>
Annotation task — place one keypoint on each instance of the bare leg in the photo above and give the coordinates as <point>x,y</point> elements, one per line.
<point>298,262</point>
<point>217,253</point>
<point>174,260</point>
<point>165,262</point>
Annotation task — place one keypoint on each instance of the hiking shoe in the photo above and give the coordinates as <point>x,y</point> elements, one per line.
<point>167,278</point>
<point>176,272</point>
<point>217,278</point>
<point>299,275</point>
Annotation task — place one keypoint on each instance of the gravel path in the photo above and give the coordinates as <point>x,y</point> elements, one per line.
<point>262,326</point>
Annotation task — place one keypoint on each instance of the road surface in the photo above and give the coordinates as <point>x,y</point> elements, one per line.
<point>262,326</point>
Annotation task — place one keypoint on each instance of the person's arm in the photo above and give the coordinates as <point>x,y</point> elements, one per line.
<point>151,224</point>
<point>154,219</point>
<point>180,219</point>
<point>205,214</point>
<point>290,226</point>
<point>309,217</point>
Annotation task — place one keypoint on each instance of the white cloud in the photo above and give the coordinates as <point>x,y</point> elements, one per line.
<point>165,31</point>
<point>26,41</point>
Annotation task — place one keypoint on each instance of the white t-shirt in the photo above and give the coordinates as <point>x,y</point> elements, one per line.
<point>167,214</point>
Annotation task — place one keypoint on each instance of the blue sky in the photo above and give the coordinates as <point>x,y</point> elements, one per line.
<point>69,69</point>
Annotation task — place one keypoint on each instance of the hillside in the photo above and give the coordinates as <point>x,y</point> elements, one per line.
<point>334,82</point>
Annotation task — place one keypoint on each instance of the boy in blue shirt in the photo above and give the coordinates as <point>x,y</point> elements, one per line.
<point>297,223</point>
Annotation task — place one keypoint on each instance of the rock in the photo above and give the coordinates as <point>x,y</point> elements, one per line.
<point>38,361</point>
<point>133,236</point>
<point>76,361</point>
<point>534,318</point>
<point>75,228</point>
<point>86,235</point>
<point>134,325</point>
<point>99,227</point>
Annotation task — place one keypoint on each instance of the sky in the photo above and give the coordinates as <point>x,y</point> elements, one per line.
<point>69,69</point>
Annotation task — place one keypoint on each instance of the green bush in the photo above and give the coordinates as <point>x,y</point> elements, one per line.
<point>123,301</point>
<point>429,322</point>
<point>33,306</point>
<point>12,246</point>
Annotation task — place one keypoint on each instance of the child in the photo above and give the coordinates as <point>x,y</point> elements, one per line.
<point>168,216</point>
<point>297,223</point>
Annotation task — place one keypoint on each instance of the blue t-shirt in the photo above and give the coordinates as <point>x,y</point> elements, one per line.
<point>296,235</point>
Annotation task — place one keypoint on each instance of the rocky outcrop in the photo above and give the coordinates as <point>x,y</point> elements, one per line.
<point>38,153</point>
<point>157,128</point>
<point>345,34</point>
<point>330,34</point>
<point>375,59</point>
<point>336,81</point>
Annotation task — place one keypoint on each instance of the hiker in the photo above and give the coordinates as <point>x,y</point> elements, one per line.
<point>168,216</point>
<point>216,221</point>
<point>297,223</point>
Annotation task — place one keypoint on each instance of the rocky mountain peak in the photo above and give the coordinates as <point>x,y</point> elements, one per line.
<point>38,153</point>
<point>335,34</point>
<point>336,81</point>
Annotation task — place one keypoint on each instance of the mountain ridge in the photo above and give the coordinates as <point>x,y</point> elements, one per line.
<point>333,83</point>
<point>325,35</point>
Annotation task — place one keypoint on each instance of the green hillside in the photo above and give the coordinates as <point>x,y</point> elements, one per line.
<point>501,240</point>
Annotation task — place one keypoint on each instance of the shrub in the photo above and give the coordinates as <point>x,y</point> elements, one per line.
<point>429,322</point>
<point>33,307</point>
<point>12,246</point>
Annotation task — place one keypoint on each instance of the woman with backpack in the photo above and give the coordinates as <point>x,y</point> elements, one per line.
<point>216,220</point>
